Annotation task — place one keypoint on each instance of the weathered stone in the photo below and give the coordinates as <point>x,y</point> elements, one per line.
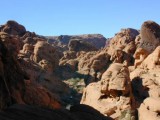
<point>150,109</point>
<point>13,28</point>
<point>111,94</point>
<point>150,36</point>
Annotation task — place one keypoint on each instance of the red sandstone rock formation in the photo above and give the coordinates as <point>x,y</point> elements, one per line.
<point>112,94</point>
<point>120,78</point>
<point>13,28</point>
<point>15,70</point>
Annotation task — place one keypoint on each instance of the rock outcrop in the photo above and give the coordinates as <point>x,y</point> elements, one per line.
<point>12,78</point>
<point>13,87</point>
<point>140,52</point>
<point>150,36</point>
<point>45,54</point>
<point>149,109</point>
<point>40,60</point>
<point>152,61</point>
<point>112,94</point>
<point>13,28</point>
<point>124,40</point>
<point>93,65</point>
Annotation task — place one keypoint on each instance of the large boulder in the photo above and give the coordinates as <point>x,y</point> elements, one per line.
<point>150,36</point>
<point>44,51</point>
<point>112,94</point>
<point>150,109</point>
<point>124,40</point>
<point>93,65</point>
<point>13,28</point>
<point>112,79</point>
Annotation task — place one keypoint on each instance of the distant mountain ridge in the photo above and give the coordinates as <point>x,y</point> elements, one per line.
<point>96,40</point>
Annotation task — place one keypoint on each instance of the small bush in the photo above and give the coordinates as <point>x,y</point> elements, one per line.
<point>127,115</point>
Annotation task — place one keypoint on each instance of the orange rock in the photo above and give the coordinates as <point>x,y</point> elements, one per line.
<point>149,109</point>
<point>139,56</point>
<point>37,95</point>
<point>111,94</point>
<point>152,61</point>
<point>150,37</point>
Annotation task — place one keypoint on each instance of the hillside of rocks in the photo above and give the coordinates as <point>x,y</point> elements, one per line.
<point>129,86</point>
<point>119,76</point>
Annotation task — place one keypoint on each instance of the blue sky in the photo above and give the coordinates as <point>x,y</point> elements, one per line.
<point>61,17</point>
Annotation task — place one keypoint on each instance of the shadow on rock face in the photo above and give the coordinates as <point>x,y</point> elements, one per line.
<point>86,112</point>
<point>140,92</point>
<point>25,112</point>
<point>13,88</point>
<point>11,78</point>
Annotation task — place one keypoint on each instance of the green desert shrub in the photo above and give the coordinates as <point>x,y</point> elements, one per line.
<point>127,115</point>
